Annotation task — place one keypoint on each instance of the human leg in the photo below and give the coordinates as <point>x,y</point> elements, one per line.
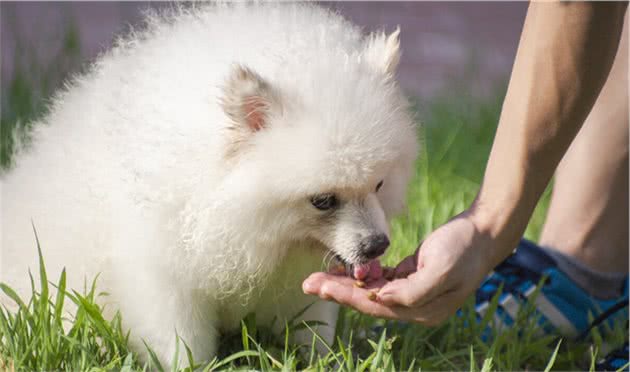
<point>588,215</point>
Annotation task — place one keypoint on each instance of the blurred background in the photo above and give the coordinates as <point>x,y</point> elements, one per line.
<point>456,61</point>
<point>472,43</point>
<point>462,49</point>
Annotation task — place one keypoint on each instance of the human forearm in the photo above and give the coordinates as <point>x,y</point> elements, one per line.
<point>564,56</point>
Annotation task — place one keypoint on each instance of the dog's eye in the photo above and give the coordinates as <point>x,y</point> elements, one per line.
<point>324,202</point>
<point>378,187</point>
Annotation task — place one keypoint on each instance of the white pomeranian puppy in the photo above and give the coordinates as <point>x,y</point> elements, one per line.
<point>208,164</point>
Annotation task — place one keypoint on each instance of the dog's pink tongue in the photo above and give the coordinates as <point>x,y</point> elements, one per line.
<point>361,271</point>
<point>372,269</point>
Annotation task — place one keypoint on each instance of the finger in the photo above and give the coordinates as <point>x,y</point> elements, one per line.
<point>376,284</point>
<point>415,290</point>
<point>407,266</point>
<point>343,291</point>
<point>360,299</point>
<point>312,285</point>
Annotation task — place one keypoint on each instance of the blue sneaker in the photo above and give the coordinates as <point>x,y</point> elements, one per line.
<point>562,305</point>
<point>615,361</point>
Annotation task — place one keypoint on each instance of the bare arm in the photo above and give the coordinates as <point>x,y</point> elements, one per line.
<point>564,56</point>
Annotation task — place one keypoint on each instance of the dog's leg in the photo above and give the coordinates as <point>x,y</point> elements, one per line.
<point>324,312</point>
<point>166,324</point>
<point>159,313</point>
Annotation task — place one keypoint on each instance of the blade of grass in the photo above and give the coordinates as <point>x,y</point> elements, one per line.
<point>241,354</point>
<point>552,360</point>
<point>154,359</point>
<point>61,291</point>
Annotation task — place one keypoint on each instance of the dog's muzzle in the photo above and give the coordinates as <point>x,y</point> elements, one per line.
<point>373,246</point>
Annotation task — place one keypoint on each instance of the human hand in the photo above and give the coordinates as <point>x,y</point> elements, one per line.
<point>430,285</point>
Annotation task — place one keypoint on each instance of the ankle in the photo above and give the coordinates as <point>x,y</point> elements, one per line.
<point>605,259</point>
<point>599,260</point>
<point>597,283</point>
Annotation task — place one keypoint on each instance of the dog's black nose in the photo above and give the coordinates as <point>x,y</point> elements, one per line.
<point>374,245</point>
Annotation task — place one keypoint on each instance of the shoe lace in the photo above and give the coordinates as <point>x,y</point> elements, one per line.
<point>603,316</point>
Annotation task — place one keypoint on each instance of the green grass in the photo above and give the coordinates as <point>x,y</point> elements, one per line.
<point>43,333</point>
<point>40,335</point>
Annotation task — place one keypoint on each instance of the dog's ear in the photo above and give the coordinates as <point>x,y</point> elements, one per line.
<point>247,100</point>
<point>383,51</point>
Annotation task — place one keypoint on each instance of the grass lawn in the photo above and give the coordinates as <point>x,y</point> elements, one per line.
<point>456,134</point>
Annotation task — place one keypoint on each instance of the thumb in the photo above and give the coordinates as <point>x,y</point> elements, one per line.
<point>415,290</point>
<point>407,266</point>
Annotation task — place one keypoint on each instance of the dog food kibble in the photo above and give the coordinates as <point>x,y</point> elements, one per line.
<point>372,296</point>
<point>338,269</point>
<point>359,284</point>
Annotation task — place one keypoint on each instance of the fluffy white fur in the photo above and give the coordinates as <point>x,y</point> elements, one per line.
<point>181,168</point>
